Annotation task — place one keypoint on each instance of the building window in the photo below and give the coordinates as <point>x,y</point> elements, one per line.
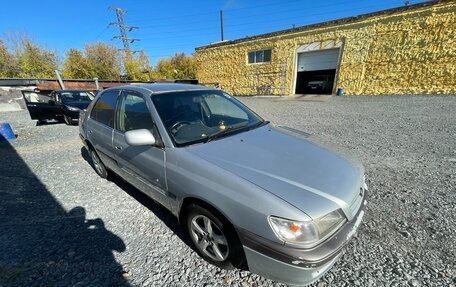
<point>259,56</point>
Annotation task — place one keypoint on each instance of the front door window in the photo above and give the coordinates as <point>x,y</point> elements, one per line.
<point>133,113</point>
<point>35,97</point>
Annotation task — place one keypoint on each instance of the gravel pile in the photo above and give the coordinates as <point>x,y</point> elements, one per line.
<point>63,225</point>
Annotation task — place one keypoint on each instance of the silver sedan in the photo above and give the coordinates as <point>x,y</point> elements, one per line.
<point>250,194</point>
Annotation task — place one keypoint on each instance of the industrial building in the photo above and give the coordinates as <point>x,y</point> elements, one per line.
<point>404,50</point>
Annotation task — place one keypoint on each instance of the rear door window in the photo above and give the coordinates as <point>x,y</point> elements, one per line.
<point>103,110</point>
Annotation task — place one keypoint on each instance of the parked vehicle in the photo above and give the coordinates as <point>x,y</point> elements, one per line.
<point>247,191</point>
<point>61,105</point>
<point>321,83</point>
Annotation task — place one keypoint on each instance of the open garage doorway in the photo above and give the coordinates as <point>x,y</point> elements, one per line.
<point>316,71</point>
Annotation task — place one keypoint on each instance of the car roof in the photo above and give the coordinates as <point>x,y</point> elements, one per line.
<point>163,87</point>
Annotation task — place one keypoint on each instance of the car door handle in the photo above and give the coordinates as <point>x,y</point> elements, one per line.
<point>118,147</point>
<point>89,131</point>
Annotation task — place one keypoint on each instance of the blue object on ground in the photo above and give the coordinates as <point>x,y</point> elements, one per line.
<point>6,132</point>
<point>339,91</point>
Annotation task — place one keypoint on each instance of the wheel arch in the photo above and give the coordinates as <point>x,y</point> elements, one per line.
<point>203,203</point>
<point>89,145</point>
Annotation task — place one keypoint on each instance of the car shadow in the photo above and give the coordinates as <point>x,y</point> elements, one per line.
<point>49,123</point>
<point>161,212</point>
<point>42,244</point>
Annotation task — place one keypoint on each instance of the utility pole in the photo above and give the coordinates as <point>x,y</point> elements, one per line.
<point>123,30</point>
<point>221,24</point>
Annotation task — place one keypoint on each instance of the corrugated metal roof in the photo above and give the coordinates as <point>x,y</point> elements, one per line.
<point>72,85</point>
<point>52,82</point>
<point>69,79</point>
<point>168,87</point>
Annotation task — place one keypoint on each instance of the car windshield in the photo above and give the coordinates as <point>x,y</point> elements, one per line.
<point>76,96</point>
<point>201,116</point>
<point>319,78</point>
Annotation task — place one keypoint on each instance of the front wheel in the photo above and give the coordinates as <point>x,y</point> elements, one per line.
<point>214,238</point>
<point>98,165</point>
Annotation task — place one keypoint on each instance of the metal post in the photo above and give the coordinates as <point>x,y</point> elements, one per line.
<point>62,86</point>
<point>96,83</point>
<point>221,24</point>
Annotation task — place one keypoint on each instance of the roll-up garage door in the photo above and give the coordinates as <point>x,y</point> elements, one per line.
<point>318,60</point>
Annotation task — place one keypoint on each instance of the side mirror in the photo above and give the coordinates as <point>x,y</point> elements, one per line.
<point>139,137</point>
<point>51,102</point>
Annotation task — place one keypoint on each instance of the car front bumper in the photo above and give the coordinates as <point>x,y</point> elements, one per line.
<point>271,268</point>
<point>293,265</point>
<point>73,115</point>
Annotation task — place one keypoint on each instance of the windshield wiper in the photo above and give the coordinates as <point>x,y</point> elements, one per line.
<point>226,131</point>
<point>259,124</point>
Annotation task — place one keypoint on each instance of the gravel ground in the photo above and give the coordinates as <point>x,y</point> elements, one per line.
<point>62,225</point>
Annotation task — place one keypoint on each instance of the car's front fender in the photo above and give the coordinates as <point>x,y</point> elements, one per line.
<point>243,203</point>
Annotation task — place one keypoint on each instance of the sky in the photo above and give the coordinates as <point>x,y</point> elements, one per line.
<point>168,27</point>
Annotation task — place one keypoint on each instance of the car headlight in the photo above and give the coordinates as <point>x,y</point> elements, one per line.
<point>307,233</point>
<point>73,109</point>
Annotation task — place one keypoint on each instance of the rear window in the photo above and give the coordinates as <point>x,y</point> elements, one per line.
<point>75,96</point>
<point>103,110</point>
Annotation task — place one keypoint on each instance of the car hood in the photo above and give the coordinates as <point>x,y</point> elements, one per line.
<point>80,105</point>
<point>287,164</point>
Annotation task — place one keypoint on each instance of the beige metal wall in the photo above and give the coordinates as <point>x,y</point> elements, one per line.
<point>410,52</point>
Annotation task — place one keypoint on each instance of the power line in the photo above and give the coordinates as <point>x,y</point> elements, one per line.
<point>316,14</point>
<point>185,23</point>
<point>305,17</point>
<point>214,13</point>
<point>101,33</point>
<point>180,45</point>
<point>229,10</point>
<point>188,43</point>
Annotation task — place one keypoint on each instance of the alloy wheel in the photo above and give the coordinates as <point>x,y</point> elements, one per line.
<point>96,162</point>
<point>209,238</point>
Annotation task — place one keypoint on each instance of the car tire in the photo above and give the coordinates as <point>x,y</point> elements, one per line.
<point>98,165</point>
<point>217,244</point>
<point>67,120</point>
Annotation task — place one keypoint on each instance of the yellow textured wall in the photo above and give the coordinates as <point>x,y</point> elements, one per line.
<point>410,52</point>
